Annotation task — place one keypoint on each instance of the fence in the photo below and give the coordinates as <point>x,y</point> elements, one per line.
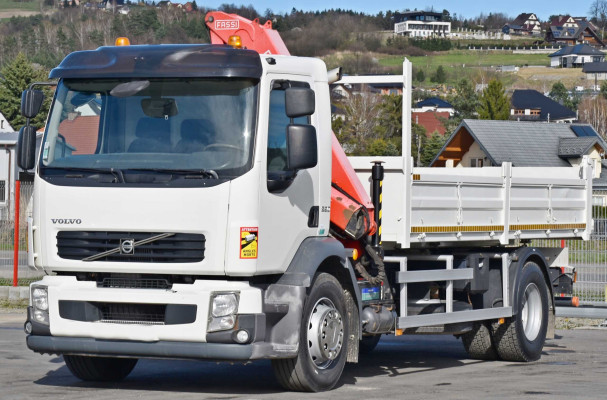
<point>546,49</point>
<point>589,257</point>
<point>7,238</point>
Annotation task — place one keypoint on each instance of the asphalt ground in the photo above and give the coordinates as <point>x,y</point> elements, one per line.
<point>573,365</point>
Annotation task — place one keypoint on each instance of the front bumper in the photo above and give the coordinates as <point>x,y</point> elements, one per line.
<point>271,317</point>
<point>160,349</point>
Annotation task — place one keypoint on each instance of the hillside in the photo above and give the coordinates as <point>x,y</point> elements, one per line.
<point>360,43</point>
<point>11,8</point>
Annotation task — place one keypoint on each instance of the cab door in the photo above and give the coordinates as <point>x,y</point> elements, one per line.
<point>288,199</point>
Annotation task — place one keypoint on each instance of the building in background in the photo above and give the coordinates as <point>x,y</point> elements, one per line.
<point>484,143</point>
<point>526,24</point>
<point>567,30</point>
<point>531,105</point>
<point>432,121</point>
<point>576,56</point>
<point>434,104</point>
<point>421,24</point>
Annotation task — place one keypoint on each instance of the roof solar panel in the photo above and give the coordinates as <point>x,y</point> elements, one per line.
<point>590,131</point>
<point>583,131</point>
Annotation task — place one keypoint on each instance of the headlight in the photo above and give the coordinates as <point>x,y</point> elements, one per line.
<point>40,304</point>
<point>223,311</point>
<point>221,324</point>
<point>224,304</point>
<point>40,298</point>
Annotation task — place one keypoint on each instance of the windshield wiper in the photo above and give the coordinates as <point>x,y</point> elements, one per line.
<point>188,172</point>
<point>117,173</point>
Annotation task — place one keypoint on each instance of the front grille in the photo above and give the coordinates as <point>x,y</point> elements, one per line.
<point>125,313</point>
<point>134,283</point>
<point>177,248</point>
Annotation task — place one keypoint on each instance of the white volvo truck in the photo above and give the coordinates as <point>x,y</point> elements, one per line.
<point>182,210</point>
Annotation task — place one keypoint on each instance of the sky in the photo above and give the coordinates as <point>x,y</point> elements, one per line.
<point>467,8</point>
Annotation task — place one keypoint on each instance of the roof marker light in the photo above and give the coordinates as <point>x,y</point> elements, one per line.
<point>235,41</point>
<point>122,41</point>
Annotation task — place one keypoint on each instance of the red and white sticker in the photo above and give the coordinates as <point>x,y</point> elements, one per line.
<point>226,24</point>
<point>249,237</point>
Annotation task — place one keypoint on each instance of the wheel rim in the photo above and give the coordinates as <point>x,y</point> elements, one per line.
<point>325,333</point>
<point>531,315</point>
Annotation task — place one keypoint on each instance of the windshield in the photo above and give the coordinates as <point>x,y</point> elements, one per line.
<point>155,126</point>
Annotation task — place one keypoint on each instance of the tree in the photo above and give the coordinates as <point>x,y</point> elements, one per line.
<point>390,119</point>
<point>594,112</point>
<point>466,101</point>
<point>560,94</point>
<point>361,114</point>
<point>494,103</point>
<point>194,6</point>
<point>432,147</point>
<point>446,15</point>
<point>420,76</point>
<point>16,77</point>
<point>418,141</point>
<point>381,147</point>
<point>598,12</point>
<point>440,76</point>
<point>604,89</point>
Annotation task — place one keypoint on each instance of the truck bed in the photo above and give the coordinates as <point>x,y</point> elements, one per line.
<point>489,204</point>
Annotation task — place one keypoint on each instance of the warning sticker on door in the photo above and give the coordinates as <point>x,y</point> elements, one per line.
<point>248,242</point>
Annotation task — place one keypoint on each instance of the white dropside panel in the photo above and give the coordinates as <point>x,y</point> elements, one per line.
<point>482,204</point>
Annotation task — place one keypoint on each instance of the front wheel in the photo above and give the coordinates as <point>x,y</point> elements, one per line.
<point>99,369</point>
<point>522,337</point>
<point>323,340</point>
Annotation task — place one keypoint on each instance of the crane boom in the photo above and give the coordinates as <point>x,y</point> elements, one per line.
<point>352,211</point>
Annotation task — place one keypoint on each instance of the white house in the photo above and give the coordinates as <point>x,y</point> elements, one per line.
<point>421,24</point>
<point>433,104</point>
<point>576,56</point>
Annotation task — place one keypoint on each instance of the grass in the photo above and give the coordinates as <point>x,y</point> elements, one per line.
<point>477,67</point>
<point>469,58</point>
<point>33,5</point>
<point>21,281</point>
<point>13,304</point>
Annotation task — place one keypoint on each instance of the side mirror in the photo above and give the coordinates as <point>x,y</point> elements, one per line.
<point>31,102</point>
<point>26,148</point>
<point>302,150</point>
<point>299,102</point>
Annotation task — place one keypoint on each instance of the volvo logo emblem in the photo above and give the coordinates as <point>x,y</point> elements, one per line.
<point>127,246</point>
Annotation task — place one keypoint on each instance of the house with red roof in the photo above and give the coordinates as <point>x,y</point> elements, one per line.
<point>432,121</point>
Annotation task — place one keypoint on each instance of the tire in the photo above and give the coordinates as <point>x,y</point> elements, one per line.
<point>368,344</point>
<point>318,367</point>
<point>99,369</point>
<point>478,342</point>
<point>522,337</point>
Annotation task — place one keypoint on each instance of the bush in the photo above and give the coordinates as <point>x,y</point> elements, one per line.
<point>434,44</point>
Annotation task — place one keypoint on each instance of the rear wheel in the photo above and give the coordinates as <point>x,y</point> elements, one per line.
<point>478,343</point>
<point>522,337</point>
<point>100,369</point>
<point>322,343</point>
